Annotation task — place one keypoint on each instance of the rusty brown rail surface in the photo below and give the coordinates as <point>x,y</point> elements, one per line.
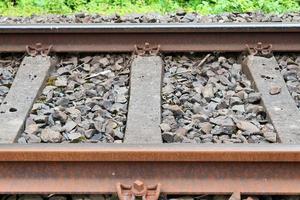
<point>172,168</point>
<point>171,37</point>
<point>179,168</point>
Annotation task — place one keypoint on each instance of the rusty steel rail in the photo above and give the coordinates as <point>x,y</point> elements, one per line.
<point>170,37</point>
<point>178,168</point>
<point>150,152</point>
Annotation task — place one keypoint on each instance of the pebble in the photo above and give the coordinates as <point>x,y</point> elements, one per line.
<point>165,127</point>
<point>247,126</point>
<point>269,133</point>
<point>223,121</point>
<point>61,81</point>
<point>270,136</point>
<point>31,138</point>
<point>60,115</point>
<point>48,135</point>
<point>74,136</point>
<point>63,102</point>
<point>39,118</point>
<point>206,127</point>
<point>254,97</point>
<point>168,137</point>
<point>239,108</point>
<point>85,100</point>
<point>208,92</point>
<point>175,109</point>
<point>70,125</point>
<point>32,129</point>
<point>214,103</point>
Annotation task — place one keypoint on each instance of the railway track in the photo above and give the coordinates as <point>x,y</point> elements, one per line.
<point>144,164</point>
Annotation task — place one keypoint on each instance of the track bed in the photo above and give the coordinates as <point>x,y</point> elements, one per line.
<point>208,99</point>
<point>146,100</point>
<point>85,100</point>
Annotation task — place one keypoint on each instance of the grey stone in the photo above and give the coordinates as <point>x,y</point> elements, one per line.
<point>70,125</point>
<point>74,136</point>
<point>3,90</point>
<point>222,121</point>
<point>73,112</point>
<point>62,102</point>
<point>235,101</point>
<point>97,136</point>
<point>61,82</point>
<point>31,129</point>
<point>239,108</point>
<point>59,115</point>
<point>200,117</point>
<point>48,135</point>
<point>22,140</point>
<point>31,138</point>
<point>175,109</point>
<point>118,134</point>
<point>207,91</point>
<point>165,127</point>
<point>206,127</point>
<point>89,133</point>
<point>254,97</point>
<point>104,61</point>
<point>247,126</point>
<point>39,118</point>
<point>270,136</point>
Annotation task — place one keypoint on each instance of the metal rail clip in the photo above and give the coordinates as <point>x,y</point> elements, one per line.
<point>138,189</point>
<point>38,49</point>
<point>146,49</point>
<point>260,50</point>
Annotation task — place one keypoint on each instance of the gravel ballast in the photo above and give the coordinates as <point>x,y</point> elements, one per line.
<point>9,65</point>
<point>211,102</point>
<point>289,65</point>
<point>179,17</point>
<point>85,100</point>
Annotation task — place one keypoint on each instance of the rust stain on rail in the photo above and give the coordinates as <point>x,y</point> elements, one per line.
<point>174,177</point>
<point>172,38</point>
<point>151,153</point>
<point>169,42</point>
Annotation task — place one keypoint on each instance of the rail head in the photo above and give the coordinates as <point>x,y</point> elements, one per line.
<point>124,28</point>
<point>150,153</point>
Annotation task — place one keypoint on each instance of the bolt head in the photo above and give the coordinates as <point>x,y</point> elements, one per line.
<point>138,185</point>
